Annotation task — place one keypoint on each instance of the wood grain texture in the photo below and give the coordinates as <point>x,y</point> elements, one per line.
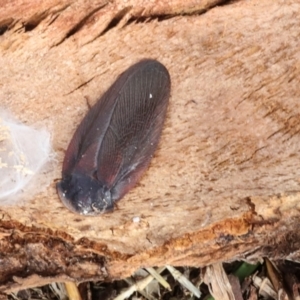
<point>224,182</point>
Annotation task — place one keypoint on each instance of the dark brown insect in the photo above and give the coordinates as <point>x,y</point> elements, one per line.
<point>114,143</point>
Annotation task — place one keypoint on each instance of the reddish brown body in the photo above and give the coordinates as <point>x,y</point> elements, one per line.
<point>115,141</point>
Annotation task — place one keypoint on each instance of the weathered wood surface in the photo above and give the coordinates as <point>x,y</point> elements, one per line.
<point>224,182</point>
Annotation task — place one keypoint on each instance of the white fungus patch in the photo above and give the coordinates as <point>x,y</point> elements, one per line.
<point>23,152</point>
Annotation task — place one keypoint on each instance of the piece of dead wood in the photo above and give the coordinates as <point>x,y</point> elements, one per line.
<point>224,182</point>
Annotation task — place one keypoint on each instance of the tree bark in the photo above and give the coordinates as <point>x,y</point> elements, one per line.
<point>224,182</point>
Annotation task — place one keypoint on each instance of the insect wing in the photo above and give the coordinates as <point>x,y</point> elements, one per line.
<point>135,126</point>
<point>82,152</point>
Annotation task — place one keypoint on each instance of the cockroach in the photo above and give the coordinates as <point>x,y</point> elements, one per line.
<point>113,145</point>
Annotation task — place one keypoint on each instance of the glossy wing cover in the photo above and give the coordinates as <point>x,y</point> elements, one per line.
<point>115,141</point>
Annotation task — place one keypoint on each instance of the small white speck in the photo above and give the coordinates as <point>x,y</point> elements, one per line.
<point>150,96</point>
<point>136,219</point>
